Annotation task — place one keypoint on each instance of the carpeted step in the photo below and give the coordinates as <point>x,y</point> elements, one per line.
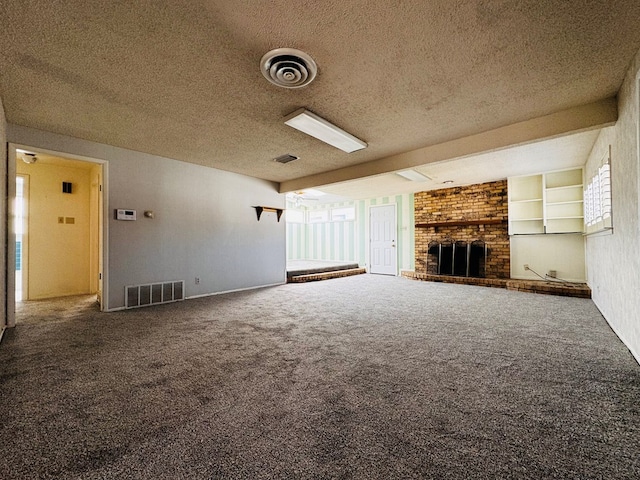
<point>314,277</point>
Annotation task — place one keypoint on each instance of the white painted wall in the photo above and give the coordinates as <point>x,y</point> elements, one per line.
<point>561,252</point>
<point>3,211</point>
<point>204,223</point>
<point>613,260</point>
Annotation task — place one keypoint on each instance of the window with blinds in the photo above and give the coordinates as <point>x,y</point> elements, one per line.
<point>597,198</point>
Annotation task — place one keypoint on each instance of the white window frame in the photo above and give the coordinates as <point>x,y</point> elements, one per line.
<point>351,219</point>
<point>324,218</point>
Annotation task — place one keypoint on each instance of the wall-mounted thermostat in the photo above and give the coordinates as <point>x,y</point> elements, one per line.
<point>122,214</point>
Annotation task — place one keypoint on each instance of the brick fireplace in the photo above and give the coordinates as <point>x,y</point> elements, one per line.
<point>459,218</point>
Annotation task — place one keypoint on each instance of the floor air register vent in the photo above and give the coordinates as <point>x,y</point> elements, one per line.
<point>153,293</point>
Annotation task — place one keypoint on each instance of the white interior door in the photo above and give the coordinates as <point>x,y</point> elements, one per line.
<point>383,251</point>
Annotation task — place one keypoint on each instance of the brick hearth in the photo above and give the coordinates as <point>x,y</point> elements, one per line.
<point>532,286</point>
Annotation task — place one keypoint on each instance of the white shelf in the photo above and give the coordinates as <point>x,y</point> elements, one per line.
<point>526,227</point>
<point>525,189</point>
<point>563,194</point>
<point>563,178</point>
<point>526,210</point>
<point>565,225</point>
<point>533,200</point>
<point>564,203</point>
<point>564,187</point>
<point>546,203</point>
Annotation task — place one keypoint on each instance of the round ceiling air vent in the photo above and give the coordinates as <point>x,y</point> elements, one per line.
<point>288,67</point>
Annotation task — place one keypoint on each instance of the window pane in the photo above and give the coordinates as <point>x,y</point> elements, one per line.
<point>318,216</point>
<point>342,214</point>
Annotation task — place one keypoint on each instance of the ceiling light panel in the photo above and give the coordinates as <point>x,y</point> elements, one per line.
<point>413,175</point>
<point>318,127</point>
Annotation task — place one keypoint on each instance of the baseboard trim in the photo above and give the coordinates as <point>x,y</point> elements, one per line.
<point>235,290</point>
<point>191,297</point>
<point>116,309</point>
<point>634,354</point>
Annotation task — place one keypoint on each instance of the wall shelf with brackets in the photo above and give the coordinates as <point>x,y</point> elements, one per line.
<point>260,209</point>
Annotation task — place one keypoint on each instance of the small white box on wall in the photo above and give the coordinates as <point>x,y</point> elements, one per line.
<point>122,214</point>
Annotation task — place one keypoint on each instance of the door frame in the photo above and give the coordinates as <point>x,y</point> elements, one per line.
<point>395,229</point>
<point>10,273</point>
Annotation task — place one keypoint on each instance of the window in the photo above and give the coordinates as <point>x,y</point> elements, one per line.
<point>343,214</point>
<point>318,216</point>
<point>597,198</point>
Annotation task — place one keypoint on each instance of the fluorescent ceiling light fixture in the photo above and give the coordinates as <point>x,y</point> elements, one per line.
<point>413,175</point>
<point>318,127</point>
<point>313,192</point>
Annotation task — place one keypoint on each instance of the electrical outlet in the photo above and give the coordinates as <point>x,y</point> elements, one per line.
<point>526,266</point>
<point>197,281</point>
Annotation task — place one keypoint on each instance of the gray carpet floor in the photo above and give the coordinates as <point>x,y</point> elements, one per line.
<point>365,377</point>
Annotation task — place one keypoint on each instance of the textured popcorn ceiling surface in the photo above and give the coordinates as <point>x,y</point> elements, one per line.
<point>181,79</point>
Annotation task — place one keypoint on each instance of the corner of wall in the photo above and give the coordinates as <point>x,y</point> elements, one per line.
<point>3,213</point>
<point>612,260</point>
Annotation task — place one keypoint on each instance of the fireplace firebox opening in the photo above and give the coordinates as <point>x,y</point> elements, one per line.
<point>458,258</point>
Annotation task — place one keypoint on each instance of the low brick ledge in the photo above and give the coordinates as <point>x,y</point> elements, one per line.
<point>314,277</point>
<point>580,290</point>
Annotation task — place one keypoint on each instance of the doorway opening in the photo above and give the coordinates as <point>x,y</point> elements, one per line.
<point>20,220</point>
<point>57,227</point>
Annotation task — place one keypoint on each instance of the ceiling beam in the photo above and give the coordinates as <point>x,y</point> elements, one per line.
<point>599,114</point>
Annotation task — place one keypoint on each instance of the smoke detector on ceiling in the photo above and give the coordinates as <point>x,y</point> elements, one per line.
<point>288,68</point>
<point>28,157</point>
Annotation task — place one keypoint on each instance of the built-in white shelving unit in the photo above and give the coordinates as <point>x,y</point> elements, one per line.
<point>546,203</point>
<point>526,209</point>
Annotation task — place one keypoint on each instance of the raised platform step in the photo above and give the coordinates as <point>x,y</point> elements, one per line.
<point>580,290</point>
<point>314,277</point>
<point>307,267</point>
<point>564,289</point>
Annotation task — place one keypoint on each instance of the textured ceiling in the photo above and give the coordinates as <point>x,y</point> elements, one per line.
<point>554,154</point>
<point>181,79</point>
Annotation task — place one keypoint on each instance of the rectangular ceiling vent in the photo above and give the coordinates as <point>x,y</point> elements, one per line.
<point>286,158</point>
<point>153,293</point>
